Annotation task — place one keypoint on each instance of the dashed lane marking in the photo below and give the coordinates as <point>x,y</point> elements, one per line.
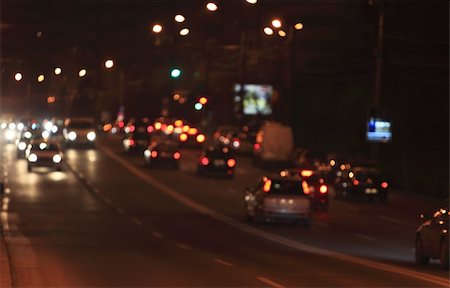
<point>137,221</point>
<point>269,282</point>
<point>183,246</point>
<point>157,234</point>
<point>370,238</point>
<point>220,261</point>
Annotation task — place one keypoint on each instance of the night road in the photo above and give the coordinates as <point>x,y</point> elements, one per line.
<point>106,220</point>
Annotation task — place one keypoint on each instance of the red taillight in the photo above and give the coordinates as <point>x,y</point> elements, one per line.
<point>154,154</point>
<point>305,187</point>
<point>131,142</point>
<point>323,189</point>
<point>132,128</point>
<point>267,185</point>
<point>257,146</point>
<point>176,155</point>
<point>150,129</point>
<point>231,163</point>
<point>355,182</point>
<point>306,173</point>
<point>121,124</point>
<point>204,161</point>
<point>384,185</point>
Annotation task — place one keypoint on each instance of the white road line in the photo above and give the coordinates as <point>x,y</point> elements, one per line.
<point>266,235</point>
<point>137,221</point>
<point>370,238</point>
<point>220,261</point>
<point>182,246</point>
<point>121,211</point>
<point>270,282</point>
<point>396,221</point>
<point>107,200</point>
<point>157,234</point>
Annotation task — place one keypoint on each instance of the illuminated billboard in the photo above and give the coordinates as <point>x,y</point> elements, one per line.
<point>379,130</point>
<point>256,98</point>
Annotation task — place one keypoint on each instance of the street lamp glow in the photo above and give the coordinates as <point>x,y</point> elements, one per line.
<point>179,18</point>
<point>198,106</point>
<point>184,32</point>
<point>82,73</point>
<point>252,1</point>
<point>175,73</point>
<point>268,31</point>
<point>109,63</point>
<point>211,6</point>
<point>276,23</point>
<point>157,28</point>
<point>40,78</point>
<point>18,76</point>
<point>282,33</point>
<point>298,26</point>
<point>58,71</point>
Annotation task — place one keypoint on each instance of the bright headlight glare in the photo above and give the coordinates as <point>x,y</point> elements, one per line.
<point>91,136</point>
<point>45,134</point>
<point>72,135</point>
<point>32,157</point>
<point>48,126</point>
<point>147,153</point>
<point>57,158</point>
<point>10,134</point>
<point>22,146</point>
<point>54,129</point>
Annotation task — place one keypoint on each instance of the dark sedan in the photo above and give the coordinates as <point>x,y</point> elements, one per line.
<point>216,161</point>
<point>164,153</point>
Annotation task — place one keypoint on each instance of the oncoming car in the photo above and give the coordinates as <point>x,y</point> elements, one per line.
<point>44,154</point>
<point>279,197</point>
<point>80,131</point>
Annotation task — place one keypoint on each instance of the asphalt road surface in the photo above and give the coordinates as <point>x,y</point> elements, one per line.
<point>106,220</point>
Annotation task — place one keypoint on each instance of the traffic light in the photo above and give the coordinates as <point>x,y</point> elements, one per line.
<point>203,100</point>
<point>175,73</point>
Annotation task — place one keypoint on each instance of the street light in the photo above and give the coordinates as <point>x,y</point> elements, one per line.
<point>41,78</point>
<point>109,64</point>
<point>282,33</point>
<point>157,28</point>
<point>276,23</point>
<point>58,71</point>
<point>298,26</point>
<point>268,31</point>
<point>82,73</point>
<point>252,1</point>
<point>18,76</point>
<point>211,7</point>
<point>179,18</point>
<point>184,32</point>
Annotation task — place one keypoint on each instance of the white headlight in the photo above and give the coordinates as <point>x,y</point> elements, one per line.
<point>48,126</point>
<point>10,135</point>
<point>147,153</point>
<point>12,126</point>
<point>91,136</point>
<point>54,129</point>
<point>20,126</point>
<point>72,135</point>
<point>45,134</point>
<point>32,157</point>
<point>22,146</point>
<point>57,158</point>
<point>27,134</point>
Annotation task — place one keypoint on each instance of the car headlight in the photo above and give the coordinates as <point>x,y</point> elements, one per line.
<point>91,136</point>
<point>57,158</point>
<point>22,146</point>
<point>147,153</point>
<point>45,134</point>
<point>10,135</point>
<point>72,135</point>
<point>32,157</point>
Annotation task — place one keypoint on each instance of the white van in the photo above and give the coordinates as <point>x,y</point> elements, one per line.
<point>79,131</point>
<point>274,143</point>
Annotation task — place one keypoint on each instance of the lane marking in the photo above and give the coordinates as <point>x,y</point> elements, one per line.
<point>220,261</point>
<point>370,238</point>
<point>137,221</point>
<point>107,200</point>
<point>267,235</point>
<point>182,246</point>
<point>270,282</point>
<point>396,221</point>
<point>119,210</point>
<point>157,234</point>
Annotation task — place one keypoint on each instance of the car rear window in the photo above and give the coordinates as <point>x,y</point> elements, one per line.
<point>286,187</point>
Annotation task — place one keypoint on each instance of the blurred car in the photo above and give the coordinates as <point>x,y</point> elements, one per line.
<point>80,131</point>
<point>25,139</point>
<point>44,154</point>
<point>136,141</point>
<point>228,136</point>
<point>316,180</point>
<point>163,153</point>
<point>361,182</point>
<point>279,197</point>
<point>216,160</point>
<point>432,238</point>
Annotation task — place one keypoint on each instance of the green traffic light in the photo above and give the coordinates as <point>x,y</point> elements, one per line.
<point>175,73</point>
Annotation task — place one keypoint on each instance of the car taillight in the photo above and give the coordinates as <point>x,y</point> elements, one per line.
<point>121,124</point>
<point>154,154</point>
<point>132,128</point>
<point>231,163</point>
<point>306,173</point>
<point>323,189</point>
<point>131,142</point>
<point>355,182</point>
<point>267,185</point>
<point>150,129</point>
<point>305,187</point>
<point>257,146</point>
<point>200,138</point>
<point>384,185</point>
<point>204,161</point>
<point>176,155</point>
<point>183,137</point>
